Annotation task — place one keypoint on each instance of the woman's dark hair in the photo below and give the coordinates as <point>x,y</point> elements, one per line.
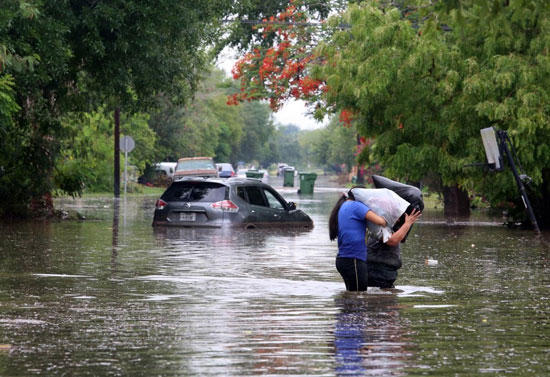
<point>333,219</point>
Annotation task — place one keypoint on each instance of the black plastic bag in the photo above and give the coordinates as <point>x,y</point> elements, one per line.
<point>410,193</point>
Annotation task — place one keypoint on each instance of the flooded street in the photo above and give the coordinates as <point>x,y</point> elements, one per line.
<point>112,296</point>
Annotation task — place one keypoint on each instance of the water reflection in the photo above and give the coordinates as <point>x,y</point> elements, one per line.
<point>226,236</point>
<point>113,296</point>
<point>114,250</point>
<point>369,339</point>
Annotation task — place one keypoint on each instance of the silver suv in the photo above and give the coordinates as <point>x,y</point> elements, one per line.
<point>237,202</point>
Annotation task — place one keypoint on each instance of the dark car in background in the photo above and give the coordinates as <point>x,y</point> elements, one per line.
<point>234,202</point>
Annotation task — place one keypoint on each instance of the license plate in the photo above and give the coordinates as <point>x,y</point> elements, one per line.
<point>187,216</point>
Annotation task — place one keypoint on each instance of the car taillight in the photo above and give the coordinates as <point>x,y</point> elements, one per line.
<point>225,205</point>
<point>232,173</point>
<point>160,204</point>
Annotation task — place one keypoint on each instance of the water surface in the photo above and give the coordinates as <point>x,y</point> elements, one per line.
<point>112,296</point>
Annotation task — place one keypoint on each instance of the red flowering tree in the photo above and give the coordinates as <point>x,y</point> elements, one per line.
<point>288,68</point>
<point>280,71</point>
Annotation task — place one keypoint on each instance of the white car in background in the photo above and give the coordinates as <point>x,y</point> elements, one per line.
<point>266,174</point>
<point>166,168</point>
<point>241,173</point>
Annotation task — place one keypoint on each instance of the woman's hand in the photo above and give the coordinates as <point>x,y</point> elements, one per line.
<point>402,232</point>
<point>411,219</point>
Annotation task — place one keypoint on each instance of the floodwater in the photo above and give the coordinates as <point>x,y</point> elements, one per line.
<point>112,296</point>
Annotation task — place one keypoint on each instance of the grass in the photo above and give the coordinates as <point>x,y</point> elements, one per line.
<point>140,191</point>
<point>432,201</point>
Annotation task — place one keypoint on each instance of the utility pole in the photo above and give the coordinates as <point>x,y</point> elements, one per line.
<point>117,152</point>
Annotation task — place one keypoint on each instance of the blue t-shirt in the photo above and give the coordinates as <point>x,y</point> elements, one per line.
<point>352,228</point>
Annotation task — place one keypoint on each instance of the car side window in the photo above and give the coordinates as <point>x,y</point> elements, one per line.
<point>274,202</point>
<point>241,194</point>
<point>255,196</point>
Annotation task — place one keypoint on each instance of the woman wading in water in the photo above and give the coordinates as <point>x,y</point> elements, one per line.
<point>348,224</point>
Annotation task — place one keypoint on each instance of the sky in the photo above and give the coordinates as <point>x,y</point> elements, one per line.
<point>293,112</point>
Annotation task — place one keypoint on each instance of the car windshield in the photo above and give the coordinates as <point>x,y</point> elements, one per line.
<point>195,165</point>
<point>195,192</point>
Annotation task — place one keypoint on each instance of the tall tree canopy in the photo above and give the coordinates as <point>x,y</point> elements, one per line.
<point>424,89</point>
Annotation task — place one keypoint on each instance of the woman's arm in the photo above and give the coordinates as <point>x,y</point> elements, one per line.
<point>402,232</point>
<point>374,218</point>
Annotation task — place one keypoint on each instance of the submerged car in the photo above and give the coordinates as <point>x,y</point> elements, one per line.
<point>234,202</point>
<point>195,167</point>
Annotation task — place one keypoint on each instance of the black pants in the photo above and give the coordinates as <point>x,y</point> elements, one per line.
<point>354,273</point>
<point>381,275</point>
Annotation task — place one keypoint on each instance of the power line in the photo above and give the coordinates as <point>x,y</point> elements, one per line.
<point>287,23</point>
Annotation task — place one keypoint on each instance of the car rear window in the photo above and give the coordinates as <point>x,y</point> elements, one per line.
<point>195,192</point>
<point>195,165</point>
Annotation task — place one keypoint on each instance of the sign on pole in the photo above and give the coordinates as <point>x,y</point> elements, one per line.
<point>127,144</point>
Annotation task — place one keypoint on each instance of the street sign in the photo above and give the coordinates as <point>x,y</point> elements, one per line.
<point>127,144</point>
<point>492,149</point>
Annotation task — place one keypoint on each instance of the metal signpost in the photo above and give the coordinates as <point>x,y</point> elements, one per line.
<point>127,144</point>
<point>493,149</point>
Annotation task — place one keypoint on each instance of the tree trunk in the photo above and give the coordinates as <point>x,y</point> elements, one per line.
<point>360,176</point>
<point>456,202</point>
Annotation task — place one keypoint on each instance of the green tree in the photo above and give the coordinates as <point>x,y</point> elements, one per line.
<point>247,14</point>
<point>425,95</point>
<point>258,131</point>
<point>208,126</point>
<point>86,55</point>
<point>331,146</point>
<point>288,145</point>
<point>86,159</point>
<point>205,126</point>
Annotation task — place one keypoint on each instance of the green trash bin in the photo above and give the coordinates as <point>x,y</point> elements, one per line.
<point>288,179</point>
<point>307,181</point>
<point>254,174</point>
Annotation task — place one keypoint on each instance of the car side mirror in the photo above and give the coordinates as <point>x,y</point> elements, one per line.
<point>291,206</point>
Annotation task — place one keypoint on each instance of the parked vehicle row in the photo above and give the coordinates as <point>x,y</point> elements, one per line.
<point>199,167</point>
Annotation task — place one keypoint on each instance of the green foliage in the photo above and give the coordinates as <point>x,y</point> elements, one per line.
<point>288,145</point>
<point>8,106</point>
<point>330,146</point>
<point>66,57</point>
<point>203,127</point>
<point>86,159</point>
<point>241,35</point>
<point>71,176</point>
<point>425,94</point>
<point>207,126</point>
<point>259,132</point>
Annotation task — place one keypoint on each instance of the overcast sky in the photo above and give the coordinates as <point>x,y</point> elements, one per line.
<point>293,112</point>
